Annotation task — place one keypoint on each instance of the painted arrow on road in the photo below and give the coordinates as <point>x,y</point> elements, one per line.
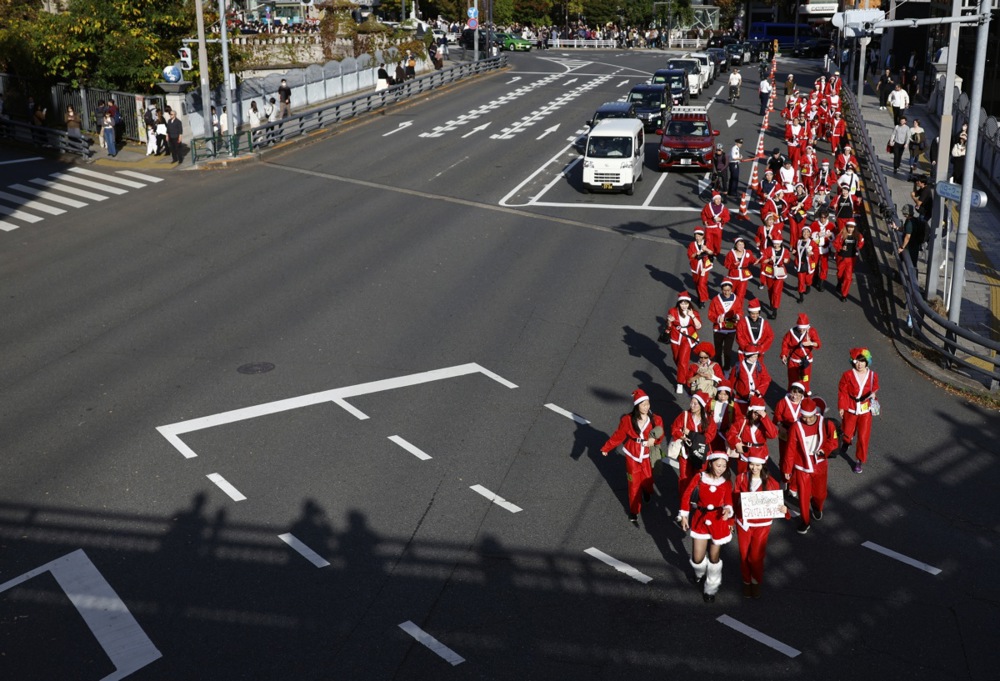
<point>547,131</point>
<point>402,126</point>
<point>514,80</point>
<point>475,130</point>
<point>624,82</point>
<point>568,82</point>
<point>732,120</point>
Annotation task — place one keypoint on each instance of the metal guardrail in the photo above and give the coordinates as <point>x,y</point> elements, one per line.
<point>935,330</point>
<point>38,136</point>
<point>327,116</point>
<point>222,146</point>
<point>581,43</point>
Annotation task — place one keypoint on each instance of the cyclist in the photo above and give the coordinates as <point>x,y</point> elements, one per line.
<point>765,69</point>
<point>735,80</point>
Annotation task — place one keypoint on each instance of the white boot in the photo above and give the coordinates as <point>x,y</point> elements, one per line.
<point>714,579</point>
<point>699,569</point>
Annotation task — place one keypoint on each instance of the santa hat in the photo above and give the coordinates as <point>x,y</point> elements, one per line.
<point>699,230</point>
<point>726,282</point>
<point>851,223</point>
<point>820,404</point>
<point>757,404</point>
<point>806,228</point>
<point>795,385</point>
<point>802,320</point>
<point>701,397</point>
<point>776,239</point>
<point>809,408</point>
<point>739,238</point>
<point>716,455</point>
<point>825,162</point>
<point>705,347</point>
<point>638,396</point>
<point>724,385</point>
<point>863,354</point>
<point>716,195</point>
<point>769,171</point>
<point>756,459</point>
<point>683,295</point>
<point>753,305</point>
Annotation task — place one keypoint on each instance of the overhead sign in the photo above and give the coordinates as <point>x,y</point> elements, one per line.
<point>953,192</point>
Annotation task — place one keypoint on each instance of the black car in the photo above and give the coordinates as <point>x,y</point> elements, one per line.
<point>612,110</point>
<point>813,47</point>
<point>761,50</point>
<point>652,102</point>
<point>738,53</point>
<point>720,57</point>
<point>721,41</point>
<point>677,82</point>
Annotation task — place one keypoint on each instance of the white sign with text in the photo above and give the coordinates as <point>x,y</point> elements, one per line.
<point>761,505</point>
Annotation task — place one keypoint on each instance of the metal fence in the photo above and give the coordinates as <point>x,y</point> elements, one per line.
<point>327,116</point>
<point>50,138</point>
<point>956,345</point>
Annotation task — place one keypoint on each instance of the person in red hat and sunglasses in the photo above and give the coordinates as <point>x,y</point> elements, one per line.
<point>857,399</point>
<point>704,374</point>
<point>811,441</point>
<point>635,435</point>
<point>710,523</point>
<point>797,348</point>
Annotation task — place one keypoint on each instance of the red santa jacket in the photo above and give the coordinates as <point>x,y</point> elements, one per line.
<point>714,214</point>
<point>809,446</point>
<point>753,437</point>
<point>631,440</point>
<point>748,381</point>
<point>682,329</point>
<point>699,258</point>
<point>744,483</point>
<point>792,348</point>
<point>785,415</point>
<point>806,255</point>
<point>724,315</point>
<point>822,233</point>
<point>854,393</point>
<point>765,236</point>
<point>688,374</point>
<point>714,494</point>
<point>685,421</point>
<point>746,337</point>
<point>774,263</point>
<point>845,161</point>
<point>843,248</point>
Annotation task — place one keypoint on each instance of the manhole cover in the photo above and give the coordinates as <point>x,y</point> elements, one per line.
<point>255,368</point>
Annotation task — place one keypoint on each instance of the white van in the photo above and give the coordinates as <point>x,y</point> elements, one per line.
<point>707,65</point>
<point>614,156</point>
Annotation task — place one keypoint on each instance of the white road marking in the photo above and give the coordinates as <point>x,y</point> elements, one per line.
<point>475,114</point>
<point>31,203</point>
<point>547,131</point>
<point>412,449</point>
<point>555,180</point>
<point>718,92</point>
<point>656,187</point>
<point>758,636</point>
<point>731,121</point>
<point>8,227</point>
<point>347,406</point>
<point>571,81</point>
<point>477,129</point>
<point>496,499</point>
<point>107,178</point>
<point>140,176</point>
<point>901,558</point>
<point>226,487</point>
<point>515,190</point>
<point>21,160</point>
<point>567,414</point>
<point>20,215</point>
<point>554,105</point>
<point>618,565</point>
<point>624,82</point>
<point>66,177</point>
<point>68,190</point>
<point>613,206</point>
<point>306,552</point>
<point>513,80</point>
<point>449,655</point>
<point>402,126</point>
<point>105,614</point>
<point>173,431</point>
<point>48,196</point>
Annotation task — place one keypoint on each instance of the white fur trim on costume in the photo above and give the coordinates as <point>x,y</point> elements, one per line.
<point>714,579</point>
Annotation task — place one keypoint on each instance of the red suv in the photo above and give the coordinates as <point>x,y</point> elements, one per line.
<point>688,139</point>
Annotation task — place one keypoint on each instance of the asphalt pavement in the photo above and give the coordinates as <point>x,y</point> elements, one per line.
<point>338,414</point>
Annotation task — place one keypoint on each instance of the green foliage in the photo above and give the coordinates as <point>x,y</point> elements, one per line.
<point>503,12</point>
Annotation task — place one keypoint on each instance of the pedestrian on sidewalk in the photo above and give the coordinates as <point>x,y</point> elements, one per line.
<point>923,198</point>
<point>916,144</point>
<point>900,137</point>
<point>899,100</point>
<point>958,151</point>
<point>856,400</point>
<point>884,87</point>
<point>635,437</point>
<point>108,133</point>
<point>174,130</point>
<point>72,119</point>
<point>914,233</point>
<point>285,99</point>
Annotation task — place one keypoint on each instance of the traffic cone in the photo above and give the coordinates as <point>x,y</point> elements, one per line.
<point>754,183</point>
<point>743,205</point>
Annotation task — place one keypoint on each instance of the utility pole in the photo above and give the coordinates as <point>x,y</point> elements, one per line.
<point>206,91</point>
<point>223,28</point>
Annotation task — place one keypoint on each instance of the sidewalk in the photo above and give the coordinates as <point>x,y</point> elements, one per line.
<point>980,311</point>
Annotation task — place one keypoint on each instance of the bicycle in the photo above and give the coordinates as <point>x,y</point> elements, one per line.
<point>717,182</point>
<point>734,94</point>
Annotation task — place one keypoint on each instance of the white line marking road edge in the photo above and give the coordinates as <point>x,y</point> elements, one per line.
<point>415,451</point>
<point>304,550</point>
<point>449,655</point>
<point>567,414</point>
<point>350,408</point>
<point>498,500</point>
<point>226,487</point>
<point>758,636</point>
<point>618,565</point>
<point>901,558</point>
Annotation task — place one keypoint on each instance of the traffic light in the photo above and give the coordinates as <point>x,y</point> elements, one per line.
<point>185,55</point>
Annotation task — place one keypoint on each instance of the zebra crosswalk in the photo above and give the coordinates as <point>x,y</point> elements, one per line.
<point>23,204</point>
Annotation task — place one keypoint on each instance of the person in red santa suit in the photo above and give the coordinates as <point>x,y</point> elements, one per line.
<point>786,413</point>
<point>846,160</point>
<point>847,247</point>
<point>710,524</point>
<point>695,419</point>
<point>766,186</point>
<point>749,378</point>
<point>797,348</point>
<point>749,434</point>
<point>809,169</point>
<point>811,440</point>
<point>834,84</point>
<point>704,374</point>
<point>845,206</point>
<point>800,203</point>
<point>769,231</point>
<point>751,535</point>
<point>857,397</point>
<point>715,216</point>
<point>833,101</point>
<point>797,138</point>
<point>725,312</point>
<point>788,175</point>
<point>754,330</point>
<point>683,323</point>
<point>700,256</point>
<point>822,233</point>
<point>722,410</point>
<point>738,263</point>
<point>838,131</point>
<point>635,436</point>
<point>806,261</point>
<point>774,270</point>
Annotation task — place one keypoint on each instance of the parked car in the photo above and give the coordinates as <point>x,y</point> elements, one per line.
<point>720,58</point>
<point>706,63</point>
<point>612,110</point>
<point>512,43</point>
<point>813,47</point>
<point>676,82</point>
<point>697,77</point>
<point>721,41</point>
<point>688,139</point>
<point>651,102</point>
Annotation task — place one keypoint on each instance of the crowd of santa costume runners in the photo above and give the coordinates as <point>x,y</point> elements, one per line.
<point>726,353</point>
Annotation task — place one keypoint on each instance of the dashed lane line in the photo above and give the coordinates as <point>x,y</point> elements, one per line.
<point>434,645</point>
<point>412,449</point>
<point>619,565</point>
<point>496,499</point>
<point>758,636</point>
<point>901,558</point>
<point>226,487</point>
<point>304,550</point>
